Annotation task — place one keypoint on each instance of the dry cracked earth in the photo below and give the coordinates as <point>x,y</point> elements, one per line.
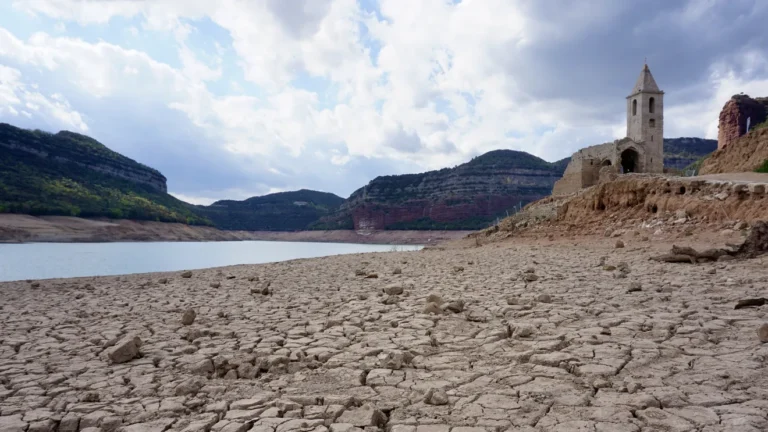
<point>511,337</point>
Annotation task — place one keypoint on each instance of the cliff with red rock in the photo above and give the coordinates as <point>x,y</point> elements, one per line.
<point>469,196</point>
<point>733,118</point>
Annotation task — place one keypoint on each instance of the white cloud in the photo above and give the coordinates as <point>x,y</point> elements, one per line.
<point>54,110</point>
<point>425,83</point>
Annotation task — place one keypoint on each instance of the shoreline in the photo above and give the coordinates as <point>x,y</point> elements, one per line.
<point>20,229</point>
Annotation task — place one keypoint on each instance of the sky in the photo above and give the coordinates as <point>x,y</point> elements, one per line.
<point>235,98</point>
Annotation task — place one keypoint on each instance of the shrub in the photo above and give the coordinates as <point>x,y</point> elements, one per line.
<point>763,168</point>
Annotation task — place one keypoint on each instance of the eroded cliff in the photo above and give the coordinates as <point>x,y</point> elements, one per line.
<point>72,148</point>
<point>469,196</point>
<point>735,114</point>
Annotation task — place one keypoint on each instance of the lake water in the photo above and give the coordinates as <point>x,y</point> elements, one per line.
<point>59,260</point>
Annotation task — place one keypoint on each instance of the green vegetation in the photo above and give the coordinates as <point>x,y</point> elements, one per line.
<point>763,168</point>
<point>427,224</point>
<point>759,126</point>
<point>38,176</point>
<point>694,167</point>
<point>681,154</point>
<point>510,159</point>
<point>284,211</point>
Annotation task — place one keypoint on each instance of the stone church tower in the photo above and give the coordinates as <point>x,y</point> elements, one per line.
<point>645,119</point>
<point>641,151</point>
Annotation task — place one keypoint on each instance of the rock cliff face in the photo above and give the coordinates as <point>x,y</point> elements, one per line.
<point>86,152</point>
<point>469,196</point>
<point>733,118</point>
<point>67,174</point>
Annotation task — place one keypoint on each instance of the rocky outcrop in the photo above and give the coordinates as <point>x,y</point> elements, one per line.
<point>469,196</point>
<point>743,154</point>
<point>72,148</point>
<point>733,117</point>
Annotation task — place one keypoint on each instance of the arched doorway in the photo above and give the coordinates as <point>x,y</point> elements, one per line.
<point>629,161</point>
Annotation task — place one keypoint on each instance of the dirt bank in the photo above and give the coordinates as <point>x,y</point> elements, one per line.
<point>22,228</point>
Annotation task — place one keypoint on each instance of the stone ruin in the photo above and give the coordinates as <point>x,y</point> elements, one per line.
<point>734,116</point>
<point>641,151</point>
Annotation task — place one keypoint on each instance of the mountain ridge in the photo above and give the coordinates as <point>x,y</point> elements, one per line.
<point>69,174</point>
<point>72,174</point>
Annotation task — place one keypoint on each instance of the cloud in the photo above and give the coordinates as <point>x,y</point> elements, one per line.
<point>244,97</point>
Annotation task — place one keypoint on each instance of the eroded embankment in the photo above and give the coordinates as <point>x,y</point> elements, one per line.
<point>637,196</point>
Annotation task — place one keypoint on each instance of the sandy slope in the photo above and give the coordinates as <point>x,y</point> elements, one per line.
<point>23,228</point>
<point>550,339</point>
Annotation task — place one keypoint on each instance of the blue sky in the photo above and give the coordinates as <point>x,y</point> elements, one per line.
<point>234,98</point>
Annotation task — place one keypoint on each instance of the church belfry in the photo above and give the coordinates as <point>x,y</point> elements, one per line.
<point>645,118</point>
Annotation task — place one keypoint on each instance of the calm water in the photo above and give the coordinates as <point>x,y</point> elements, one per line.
<point>58,260</point>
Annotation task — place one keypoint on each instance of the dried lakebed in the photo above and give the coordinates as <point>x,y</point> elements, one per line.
<point>535,337</point>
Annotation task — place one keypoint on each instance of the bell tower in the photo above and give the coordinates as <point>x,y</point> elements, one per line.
<point>645,119</point>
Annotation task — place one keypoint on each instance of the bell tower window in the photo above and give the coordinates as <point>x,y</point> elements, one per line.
<point>651,105</point>
<point>634,107</point>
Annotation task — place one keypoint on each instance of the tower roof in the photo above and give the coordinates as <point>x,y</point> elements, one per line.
<point>645,82</point>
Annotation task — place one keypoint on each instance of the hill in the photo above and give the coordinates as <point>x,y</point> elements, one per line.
<point>744,154</point>
<point>283,211</point>
<point>469,196</point>
<point>681,152</point>
<point>74,175</point>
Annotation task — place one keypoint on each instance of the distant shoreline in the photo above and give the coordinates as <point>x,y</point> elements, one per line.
<point>15,228</point>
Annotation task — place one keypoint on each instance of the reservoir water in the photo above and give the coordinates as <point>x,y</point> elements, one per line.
<point>61,260</point>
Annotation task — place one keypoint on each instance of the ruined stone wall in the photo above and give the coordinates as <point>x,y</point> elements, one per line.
<point>584,168</point>
<point>734,115</point>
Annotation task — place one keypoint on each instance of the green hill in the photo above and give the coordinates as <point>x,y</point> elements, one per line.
<point>74,175</point>
<point>283,211</point>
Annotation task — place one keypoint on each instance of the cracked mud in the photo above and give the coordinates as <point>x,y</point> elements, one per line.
<point>533,337</point>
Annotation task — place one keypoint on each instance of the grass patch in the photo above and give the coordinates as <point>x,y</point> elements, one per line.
<point>763,168</point>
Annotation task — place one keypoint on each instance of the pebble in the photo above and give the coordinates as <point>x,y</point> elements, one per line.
<point>436,397</point>
<point>394,289</point>
<point>762,333</point>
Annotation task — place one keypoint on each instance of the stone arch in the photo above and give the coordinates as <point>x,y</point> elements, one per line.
<point>634,106</point>
<point>605,163</point>
<point>630,161</point>
<point>652,105</point>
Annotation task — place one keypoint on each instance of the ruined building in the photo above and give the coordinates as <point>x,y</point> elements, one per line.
<point>739,114</point>
<point>642,150</point>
